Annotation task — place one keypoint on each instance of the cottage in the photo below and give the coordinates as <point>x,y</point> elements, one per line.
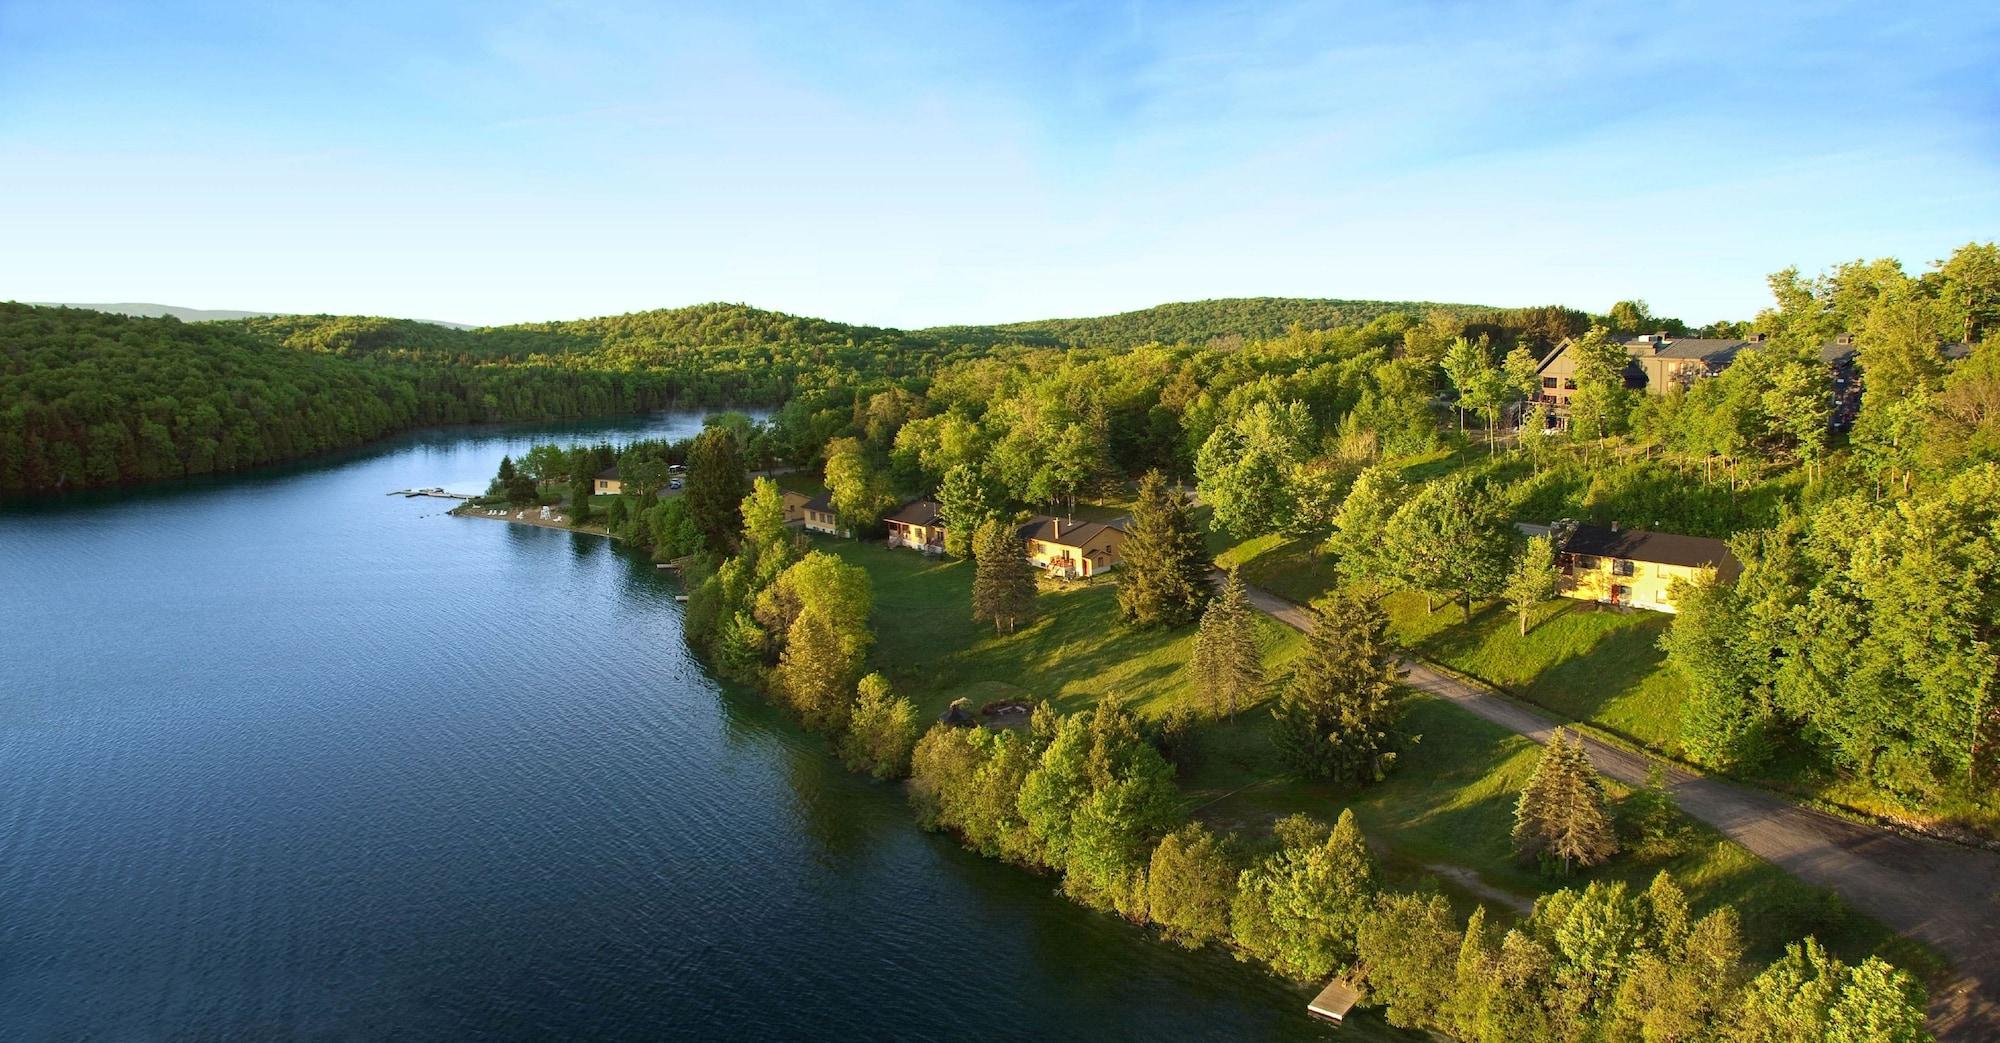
<point>1634,567</point>
<point>918,526</point>
<point>819,516</point>
<point>608,483</point>
<point>1067,547</point>
<point>795,507</point>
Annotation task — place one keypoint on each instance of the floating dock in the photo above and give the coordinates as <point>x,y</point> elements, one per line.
<point>1335,1001</point>
<point>433,491</point>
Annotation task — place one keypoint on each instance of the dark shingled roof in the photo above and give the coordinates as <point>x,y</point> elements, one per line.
<point>822,502</point>
<point>1074,533</point>
<point>1665,548</point>
<point>609,472</point>
<point>916,512</point>
<point>1705,349</point>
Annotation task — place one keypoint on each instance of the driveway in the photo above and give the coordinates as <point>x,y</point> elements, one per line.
<point>1942,894</point>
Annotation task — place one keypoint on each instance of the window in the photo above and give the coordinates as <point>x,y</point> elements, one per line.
<point>1548,382</point>
<point>1621,567</point>
<point>1620,592</point>
<point>1569,384</point>
<point>1585,561</point>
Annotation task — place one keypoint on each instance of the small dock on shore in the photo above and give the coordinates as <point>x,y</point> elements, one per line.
<point>436,491</point>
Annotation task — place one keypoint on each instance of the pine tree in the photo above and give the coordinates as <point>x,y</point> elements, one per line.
<point>1533,580</point>
<point>1163,567</point>
<point>1464,1010</point>
<point>1561,812</point>
<point>717,482</point>
<point>1003,588</point>
<point>1336,717</point>
<point>1226,663</point>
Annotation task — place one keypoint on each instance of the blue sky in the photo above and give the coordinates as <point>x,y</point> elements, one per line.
<point>933,163</point>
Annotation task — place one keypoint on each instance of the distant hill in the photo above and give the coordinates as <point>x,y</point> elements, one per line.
<point>1197,322</point>
<point>155,311</point>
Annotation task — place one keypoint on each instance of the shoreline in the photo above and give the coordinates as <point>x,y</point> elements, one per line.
<point>525,516</point>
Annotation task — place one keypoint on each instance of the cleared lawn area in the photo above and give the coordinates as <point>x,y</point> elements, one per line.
<point>1581,660</point>
<point>1073,653</point>
<point>1449,802</point>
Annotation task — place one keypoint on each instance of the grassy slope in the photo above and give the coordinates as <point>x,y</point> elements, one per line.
<point>1450,803</point>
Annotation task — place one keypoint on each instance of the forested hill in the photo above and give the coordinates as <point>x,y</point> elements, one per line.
<point>647,337</point>
<point>1197,322</point>
<point>89,398</point>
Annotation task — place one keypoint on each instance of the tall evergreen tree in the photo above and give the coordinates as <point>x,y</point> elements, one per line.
<point>1163,567</point>
<point>717,482</point>
<point>1226,663</point>
<point>1337,716</point>
<point>1003,588</point>
<point>1562,813</point>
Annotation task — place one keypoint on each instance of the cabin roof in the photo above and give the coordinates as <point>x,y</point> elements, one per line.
<point>609,472</point>
<point>1068,532</point>
<point>916,512</point>
<point>1660,548</point>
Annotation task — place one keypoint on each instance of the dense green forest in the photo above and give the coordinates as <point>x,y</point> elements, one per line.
<point>95,399</point>
<point>1193,322</point>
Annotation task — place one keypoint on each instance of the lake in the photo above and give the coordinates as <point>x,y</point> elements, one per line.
<point>283,757</point>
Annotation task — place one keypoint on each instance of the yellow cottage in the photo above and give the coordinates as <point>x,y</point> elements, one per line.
<point>608,483</point>
<point>1066,547</point>
<point>1637,568</point>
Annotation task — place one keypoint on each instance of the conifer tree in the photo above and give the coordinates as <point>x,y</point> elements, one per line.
<point>1561,813</point>
<point>717,482</point>
<point>1464,1009</point>
<point>1226,663</point>
<point>1003,588</point>
<point>1163,568</point>
<point>1337,715</point>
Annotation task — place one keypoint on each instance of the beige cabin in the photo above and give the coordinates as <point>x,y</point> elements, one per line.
<point>1067,547</point>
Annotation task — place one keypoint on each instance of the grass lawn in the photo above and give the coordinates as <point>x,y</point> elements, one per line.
<point>1073,653</point>
<point>1581,660</point>
<point>1444,813</point>
<point>1288,567</point>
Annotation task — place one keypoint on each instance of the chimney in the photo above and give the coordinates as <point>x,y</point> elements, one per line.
<point>1758,338</point>
<point>1058,522</point>
<point>1844,340</point>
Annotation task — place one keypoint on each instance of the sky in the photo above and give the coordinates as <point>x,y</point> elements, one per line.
<point>932,163</point>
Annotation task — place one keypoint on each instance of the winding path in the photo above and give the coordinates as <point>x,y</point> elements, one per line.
<point>1942,894</point>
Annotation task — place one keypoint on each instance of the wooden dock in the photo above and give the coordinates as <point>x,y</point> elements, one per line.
<point>1335,1001</point>
<point>436,491</point>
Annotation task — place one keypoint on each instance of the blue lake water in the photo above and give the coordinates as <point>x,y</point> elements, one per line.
<point>283,757</point>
